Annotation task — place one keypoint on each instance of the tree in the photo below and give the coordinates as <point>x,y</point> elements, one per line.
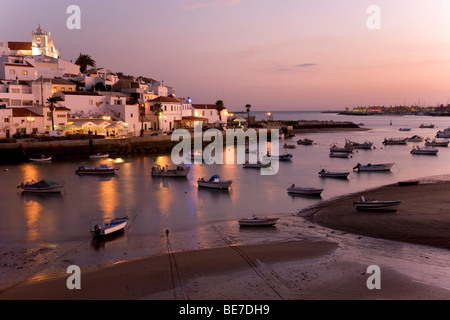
<point>247,107</point>
<point>142,115</point>
<point>85,60</point>
<point>220,107</point>
<point>51,101</point>
<point>157,109</point>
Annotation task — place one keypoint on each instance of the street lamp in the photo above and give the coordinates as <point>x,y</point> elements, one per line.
<point>30,120</point>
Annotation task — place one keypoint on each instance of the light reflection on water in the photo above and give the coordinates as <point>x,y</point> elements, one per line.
<point>156,204</point>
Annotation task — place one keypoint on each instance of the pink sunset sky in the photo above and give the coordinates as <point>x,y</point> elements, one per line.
<point>284,55</point>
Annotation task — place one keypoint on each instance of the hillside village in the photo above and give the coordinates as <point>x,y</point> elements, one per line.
<point>43,94</point>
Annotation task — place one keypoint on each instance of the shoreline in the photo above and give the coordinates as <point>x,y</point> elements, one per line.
<point>317,267</point>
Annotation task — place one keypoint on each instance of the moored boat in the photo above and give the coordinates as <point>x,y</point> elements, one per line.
<point>376,205</point>
<point>102,168</point>
<point>42,186</point>
<point>304,191</point>
<point>289,146</point>
<point>374,167</point>
<point>305,142</point>
<point>435,143</point>
<point>444,133</point>
<point>404,129</point>
<point>110,227</point>
<point>356,145</point>
<point>339,154</point>
<point>258,164</point>
<point>414,138</point>
<point>178,171</point>
<point>424,151</point>
<point>394,141</point>
<point>258,221</point>
<point>43,158</point>
<point>335,148</point>
<point>214,183</point>
<point>332,174</point>
<point>426,125</point>
<point>99,155</point>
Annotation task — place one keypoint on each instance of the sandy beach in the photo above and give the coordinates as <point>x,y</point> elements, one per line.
<point>314,268</point>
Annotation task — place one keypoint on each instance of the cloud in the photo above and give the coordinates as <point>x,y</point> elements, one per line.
<point>305,65</point>
<point>194,4</point>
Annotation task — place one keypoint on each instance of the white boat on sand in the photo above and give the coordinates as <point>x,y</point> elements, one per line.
<point>375,205</point>
<point>178,171</point>
<point>108,228</point>
<point>214,183</point>
<point>304,191</point>
<point>374,167</point>
<point>330,174</point>
<point>258,221</point>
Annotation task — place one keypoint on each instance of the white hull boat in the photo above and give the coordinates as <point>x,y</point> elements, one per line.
<point>335,148</point>
<point>374,167</point>
<point>102,168</point>
<point>330,174</point>
<point>395,141</point>
<point>304,191</point>
<point>356,145</point>
<point>179,171</point>
<point>258,222</point>
<point>414,138</point>
<point>425,151</point>
<point>214,183</point>
<point>99,155</point>
<point>339,155</point>
<point>375,205</point>
<point>43,158</point>
<point>110,227</point>
<point>305,142</point>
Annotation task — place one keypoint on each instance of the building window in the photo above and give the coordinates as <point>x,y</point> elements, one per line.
<point>15,90</point>
<point>15,102</point>
<point>131,115</point>
<point>91,102</point>
<point>25,72</point>
<point>12,71</point>
<point>6,120</point>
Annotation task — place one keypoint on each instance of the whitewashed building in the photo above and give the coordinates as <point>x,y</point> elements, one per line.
<point>209,112</point>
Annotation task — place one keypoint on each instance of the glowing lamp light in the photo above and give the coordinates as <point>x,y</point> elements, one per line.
<point>189,100</point>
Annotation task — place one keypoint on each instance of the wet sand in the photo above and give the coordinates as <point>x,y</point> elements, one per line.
<point>310,269</point>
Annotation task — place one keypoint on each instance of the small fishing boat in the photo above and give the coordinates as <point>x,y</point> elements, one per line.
<point>356,145</point>
<point>339,154</point>
<point>404,129</point>
<point>285,157</point>
<point>330,174</point>
<point>42,186</point>
<point>444,133</point>
<point>424,151</point>
<point>258,164</point>
<point>414,138</point>
<point>374,167</point>
<point>43,158</point>
<point>99,155</point>
<point>375,205</point>
<point>214,183</point>
<point>258,222</point>
<point>110,227</point>
<point>178,171</point>
<point>335,148</point>
<point>102,168</point>
<point>305,142</point>
<point>289,146</point>
<point>426,126</point>
<point>435,143</point>
<point>304,191</point>
<point>394,141</point>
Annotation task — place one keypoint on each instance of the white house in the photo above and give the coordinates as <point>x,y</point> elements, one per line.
<point>209,111</point>
<point>26,121</point>
<point>50,67</point>
<point>173,110</point>
<point>5,122</point>
<point>14,67</point>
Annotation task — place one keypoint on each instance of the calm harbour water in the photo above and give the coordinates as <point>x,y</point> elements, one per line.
<point>58,225</point>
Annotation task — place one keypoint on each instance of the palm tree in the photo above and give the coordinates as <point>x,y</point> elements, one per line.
<point>51,101</point>
<point>85,60</point>
<point>247,107</point>
<point>157,108</point>
<point>142,115</point>
<point>220,107</point>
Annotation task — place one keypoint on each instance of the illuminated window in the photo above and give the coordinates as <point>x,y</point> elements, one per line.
<point>25,72</point>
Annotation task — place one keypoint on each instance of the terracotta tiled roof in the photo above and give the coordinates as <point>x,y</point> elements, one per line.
<point>24,112</point>
<point>15,45</point>
<point>166,99</point>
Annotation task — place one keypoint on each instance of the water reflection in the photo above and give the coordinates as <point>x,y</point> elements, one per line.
<point>32,211</point>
